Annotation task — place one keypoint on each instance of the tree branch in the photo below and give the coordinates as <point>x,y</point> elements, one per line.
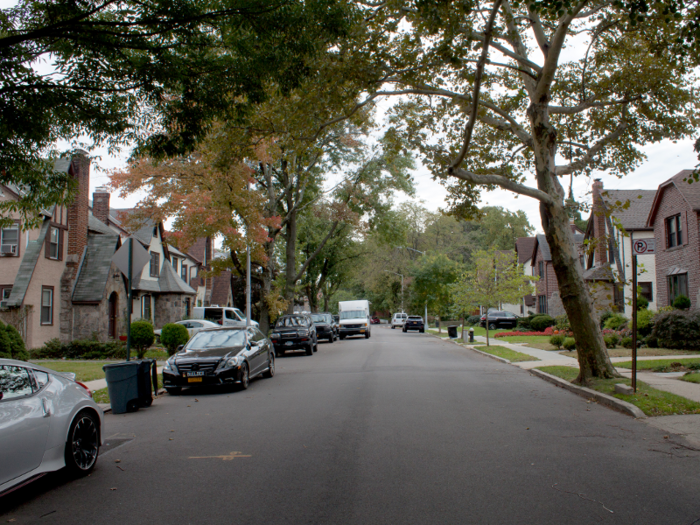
<point>591,153</point>
<point>318,250</point>
<point>506,184</point>
<point>591,103</point>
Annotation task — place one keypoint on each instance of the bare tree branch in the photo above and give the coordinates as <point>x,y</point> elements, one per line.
<point>505,183</point>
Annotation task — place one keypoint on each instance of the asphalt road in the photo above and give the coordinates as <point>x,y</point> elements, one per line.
<point>397,429</point>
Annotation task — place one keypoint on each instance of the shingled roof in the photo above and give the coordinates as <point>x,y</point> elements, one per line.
<point>168,282</point>
<point>524,247</point>
<point>26,268</point>
<point>690,192</point>
<point>635,216</point>
<point>94,268</point>
<point>541,242</point>
<point>221,288</point>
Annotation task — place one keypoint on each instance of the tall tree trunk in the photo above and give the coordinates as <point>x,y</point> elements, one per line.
<point>290,251</point>
<point>592,355</point>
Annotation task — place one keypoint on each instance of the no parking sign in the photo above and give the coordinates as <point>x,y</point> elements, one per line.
<point>644,246</point>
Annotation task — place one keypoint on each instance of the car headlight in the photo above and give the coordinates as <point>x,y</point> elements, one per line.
<point>170,366</point>
<point>275,335</point>
<point>232,362</point>
<point>303,333</point>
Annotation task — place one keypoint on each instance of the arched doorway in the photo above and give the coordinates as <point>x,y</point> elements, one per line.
<point>112,329</point>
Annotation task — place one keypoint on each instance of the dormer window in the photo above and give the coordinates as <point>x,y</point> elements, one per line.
<point>9,241</point>
<point>183,273</point>
<point>155,264</point>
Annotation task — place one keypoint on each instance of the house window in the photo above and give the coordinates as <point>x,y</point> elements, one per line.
<point>646,290</point>
<point>542,304</point>
<point>175,263</point>
<point>5,292</point>
<point>183,273</point>
<point>677,285</point>
<point>146,307</point>
<point>540,269</point>
<point>47,305</point>
<point>9,241</point>
<point>54,246</point>
<point>155,264</point>
<point>674,235</point>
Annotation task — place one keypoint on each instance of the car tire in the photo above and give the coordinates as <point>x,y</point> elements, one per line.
<point>245,377</point>
<point>392,327</point>
<point>422,330</point>
<point>83,445</point>
<point>270,372</point>
<point>342,337</point>
<point>368,334</point>
<point>492,326</point>
<point>173,390</point>
<point>331,339</point>
<point>310,349</point>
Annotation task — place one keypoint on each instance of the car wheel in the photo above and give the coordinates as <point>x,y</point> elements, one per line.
<point>83,443</point>
<point>245,377</point>
<point>342,337</point>
<point>173,390</point>
<point>367,334</point>
<point>270,372</point>
<point>310,349</point>
<point>392,327</point>
<point>422,330</point>
<point>331,339</point>
<point>492,326</point>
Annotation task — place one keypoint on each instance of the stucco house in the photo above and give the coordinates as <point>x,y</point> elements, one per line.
<point>674,219</point>
<point>524,247</point>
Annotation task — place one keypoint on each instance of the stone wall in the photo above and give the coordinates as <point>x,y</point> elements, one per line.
<point>89,319</point>
<point>169,308</point>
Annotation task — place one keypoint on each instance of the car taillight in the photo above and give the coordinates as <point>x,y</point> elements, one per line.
<point>89,392</point>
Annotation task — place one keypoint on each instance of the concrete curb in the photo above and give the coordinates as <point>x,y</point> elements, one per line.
<point>108,408</point>
<point>501,359</point>
<point>603,399</point>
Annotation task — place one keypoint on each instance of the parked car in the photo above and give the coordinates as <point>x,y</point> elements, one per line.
<point>414,322</point>
<point>294,332</point>
<point>398,320</point>
<point>325,327</point>
<point>220,356</point>
<point>222,315</point>
<point>375,320</point>
<point>193,326</point>
<point>47,421</point>
<point>499,319</point>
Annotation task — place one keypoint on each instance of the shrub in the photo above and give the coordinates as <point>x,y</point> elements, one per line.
<point>645,322</point>
<point>642,303</point>
<point>524,323</point>
<point>473,320</point>
<point>142,337</point>
<point>604,317</point>
<point>681,303</point>
<point>627,342</point>
<point>540,322</point>
<point>651,342</point>
<point>80,349</point>
<point>18,350</point>
<point>562,323</point>
<point>173,335</point>
<point>611,340</point>
<point>569,344</point>
<point>615,321</point>
<point>556,341</point>
<point>677,329</point>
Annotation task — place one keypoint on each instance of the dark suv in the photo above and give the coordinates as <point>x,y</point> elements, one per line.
<point>326,328</point>
<point>294,332</point>
<point>500,319</point>
<point>414,322</point>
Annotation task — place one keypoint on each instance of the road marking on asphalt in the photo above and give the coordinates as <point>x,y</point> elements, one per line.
<point>226,457</point>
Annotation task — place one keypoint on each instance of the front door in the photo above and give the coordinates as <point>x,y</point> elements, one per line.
<point>112,330</point>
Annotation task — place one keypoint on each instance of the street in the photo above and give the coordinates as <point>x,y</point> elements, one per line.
<point>397,429</point>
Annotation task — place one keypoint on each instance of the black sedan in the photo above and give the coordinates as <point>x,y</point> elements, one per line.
<point>325,327</point>
<point>499,319</point>
<point>220,356</point>
<point>294,332</point>
<point>414,322</point>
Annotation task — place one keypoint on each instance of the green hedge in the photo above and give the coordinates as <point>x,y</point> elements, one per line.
<point>80,349</point>
<point>11,343</point>
<point>173,335</point>
<point>677,329</point>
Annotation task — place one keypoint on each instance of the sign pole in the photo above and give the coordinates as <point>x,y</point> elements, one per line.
<point>131,302</point>
<point>634,323</point>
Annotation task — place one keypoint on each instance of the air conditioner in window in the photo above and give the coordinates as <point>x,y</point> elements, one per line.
<point>8,249</point>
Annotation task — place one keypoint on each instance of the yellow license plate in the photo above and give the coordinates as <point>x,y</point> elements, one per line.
<point>194,379</point>
<point>362,331</point>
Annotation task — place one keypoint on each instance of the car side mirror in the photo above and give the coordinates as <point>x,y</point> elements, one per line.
<point>180,347</point>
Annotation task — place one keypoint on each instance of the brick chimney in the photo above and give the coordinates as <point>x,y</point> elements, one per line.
<point>598,213</point>
<point>100,204</point>
<point>78,211</point>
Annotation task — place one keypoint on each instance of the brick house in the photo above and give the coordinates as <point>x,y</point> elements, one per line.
<point>524,247</point>
<point>612,228</point>
<point>674,218</point>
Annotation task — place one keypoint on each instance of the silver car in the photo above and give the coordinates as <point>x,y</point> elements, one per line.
<point>47,421</point>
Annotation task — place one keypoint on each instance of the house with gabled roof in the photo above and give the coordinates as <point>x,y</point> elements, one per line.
<point>524,247</point>
<point>674,217</point>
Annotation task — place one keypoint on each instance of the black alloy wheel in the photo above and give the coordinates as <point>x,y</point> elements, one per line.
<point>173,390</point>
<point>270,372</point>
<point>83,443</point>
<point>492,326</point>
<point>245,377</point>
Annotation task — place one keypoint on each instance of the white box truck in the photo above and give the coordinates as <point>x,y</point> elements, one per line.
<point>354,318</point>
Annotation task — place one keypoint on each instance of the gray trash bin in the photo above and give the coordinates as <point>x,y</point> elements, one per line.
<point>452,332</point>
<point>123,385</point>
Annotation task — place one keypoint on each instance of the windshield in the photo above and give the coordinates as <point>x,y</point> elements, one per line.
<point>353,314</point>
<point>284,322</point>
<point>216,339</point>
<point>321,318</point>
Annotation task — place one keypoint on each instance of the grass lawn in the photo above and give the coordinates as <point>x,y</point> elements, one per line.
<point>507,353</point>
<point>83,370</point>
<point>526,339</point>
<point>102,395</point>
<point>642,352</point>
<point>657,363</point>
<point>692,378</point>
<point>651,401</point>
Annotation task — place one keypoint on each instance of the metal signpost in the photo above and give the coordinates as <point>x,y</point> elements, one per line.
<point>130,259</point>
<point>639,247</point>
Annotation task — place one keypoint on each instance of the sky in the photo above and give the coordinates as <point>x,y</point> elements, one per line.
<point>664,160</point>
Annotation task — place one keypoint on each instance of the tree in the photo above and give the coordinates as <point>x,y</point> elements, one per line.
<point>433,274</point>
<point>489,98</point>
<point>496,278</point>
<point>155,73</point>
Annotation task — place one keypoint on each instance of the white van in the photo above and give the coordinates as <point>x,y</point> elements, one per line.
<point>223,315</point>
<point>354,318</point>
<point>398,320</point>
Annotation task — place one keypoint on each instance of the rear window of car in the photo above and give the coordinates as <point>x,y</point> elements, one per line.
<point>415,318</point>
<point>320,318</point>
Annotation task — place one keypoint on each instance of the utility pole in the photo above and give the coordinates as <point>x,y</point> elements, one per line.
<point>247,275</point>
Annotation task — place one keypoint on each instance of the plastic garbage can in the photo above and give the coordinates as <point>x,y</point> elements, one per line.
<point>452,332</point>
<point>144,382</point>
<point>123,386</point>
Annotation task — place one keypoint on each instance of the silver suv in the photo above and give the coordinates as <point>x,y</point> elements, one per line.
<point>398,320</point>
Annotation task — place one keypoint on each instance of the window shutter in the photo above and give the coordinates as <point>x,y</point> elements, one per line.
<point>60,244</point>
